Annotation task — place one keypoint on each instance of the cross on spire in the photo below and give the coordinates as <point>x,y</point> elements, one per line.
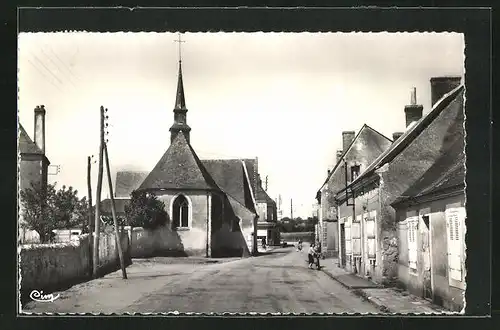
<point>179,41</point>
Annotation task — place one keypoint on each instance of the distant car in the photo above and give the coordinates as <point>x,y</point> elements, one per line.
<point>283,243</point>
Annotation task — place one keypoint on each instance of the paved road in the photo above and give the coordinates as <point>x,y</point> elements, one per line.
<point>276,283</point>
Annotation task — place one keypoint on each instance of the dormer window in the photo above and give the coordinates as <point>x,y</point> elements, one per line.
<point>354,172</point>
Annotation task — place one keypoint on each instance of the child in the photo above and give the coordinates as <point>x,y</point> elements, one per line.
<point>310,255</point>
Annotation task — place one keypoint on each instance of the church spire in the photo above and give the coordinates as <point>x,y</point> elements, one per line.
<point>180,101</point>
<point>180,110</point>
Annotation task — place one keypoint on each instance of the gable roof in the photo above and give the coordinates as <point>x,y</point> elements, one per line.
<point>252,171</point>
<point>262,195</point>
<point>229,176</point>
<point>344,152</point>
<point>128,181</point>
<point>411,134</point>
<point>179,168</point>
<point>26,145</point>
<point>119,206</point>
<point>447,172</point>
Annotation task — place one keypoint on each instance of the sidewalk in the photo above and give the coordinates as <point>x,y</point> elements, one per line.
<point>388,300</point>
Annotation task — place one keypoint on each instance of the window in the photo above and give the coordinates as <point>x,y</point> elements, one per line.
<point>180,212</point>
<point>354,172</point>
<point>370,233</point>
<point>454,222</point>
<point>412,222</point>
<point>356,236</point>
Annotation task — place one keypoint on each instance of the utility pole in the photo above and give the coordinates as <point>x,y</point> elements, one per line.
<point>113,211</point>
<point>98,197</point>
<point>291,208</point>
<point>89,188</point>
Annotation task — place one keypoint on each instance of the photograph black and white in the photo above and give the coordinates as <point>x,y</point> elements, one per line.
<point>241,172</point>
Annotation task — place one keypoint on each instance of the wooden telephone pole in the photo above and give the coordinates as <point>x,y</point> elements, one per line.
<point>89,188</point>
<point>113,211</point>
<point>98,198</point>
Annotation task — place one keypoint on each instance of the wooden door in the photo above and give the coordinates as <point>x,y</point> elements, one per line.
<point>342,245</point>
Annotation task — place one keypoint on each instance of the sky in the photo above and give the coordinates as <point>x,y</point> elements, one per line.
<point>282,97</point>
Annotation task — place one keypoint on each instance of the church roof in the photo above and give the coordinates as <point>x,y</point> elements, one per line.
<point>128,181</point>
<point>179,168</point>
<point>26,145</point>
<point>180,101</point>
<point>229,175</point>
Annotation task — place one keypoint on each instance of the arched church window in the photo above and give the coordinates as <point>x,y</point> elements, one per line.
<point>180,212</point>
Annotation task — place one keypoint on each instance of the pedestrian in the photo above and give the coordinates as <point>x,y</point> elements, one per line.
<point>310,255</point>
<point>317,254</point>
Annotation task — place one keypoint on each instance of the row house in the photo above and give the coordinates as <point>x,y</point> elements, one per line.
<point>358,151</point>
<point>369,232</point>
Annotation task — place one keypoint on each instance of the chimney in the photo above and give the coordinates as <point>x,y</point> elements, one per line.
<point>39,135</point>
<point>339,156</point>
<point>413,111</point>
<point>443,85</point>
<point>347,137</point>
<point>328,173</point>
<point>396,135</point>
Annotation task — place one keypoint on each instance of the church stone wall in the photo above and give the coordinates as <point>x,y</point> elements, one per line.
<point>192,241</point>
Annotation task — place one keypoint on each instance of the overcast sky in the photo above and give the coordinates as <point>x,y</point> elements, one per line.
<point>284,98</point>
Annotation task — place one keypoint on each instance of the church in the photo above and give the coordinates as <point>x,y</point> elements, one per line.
<point>211,204</point>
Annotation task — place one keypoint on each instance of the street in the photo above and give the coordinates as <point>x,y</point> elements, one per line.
<point>278,282</point>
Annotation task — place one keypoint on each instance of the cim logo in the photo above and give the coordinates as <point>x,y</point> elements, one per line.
<point>40,297</point>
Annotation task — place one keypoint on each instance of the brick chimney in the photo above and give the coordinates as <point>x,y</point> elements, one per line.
<point>443,85</point>
<point>396,135</point>
<point>39,136</point>
<point>413,111</point>
<point>339,155</point>
<point>347,137</point>
<point>328,172</point>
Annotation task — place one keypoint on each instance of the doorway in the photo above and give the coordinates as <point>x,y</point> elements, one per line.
<point>426,254</point>
<point>342,245</point>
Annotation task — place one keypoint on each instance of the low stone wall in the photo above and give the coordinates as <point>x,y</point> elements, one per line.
<point>51,267</point>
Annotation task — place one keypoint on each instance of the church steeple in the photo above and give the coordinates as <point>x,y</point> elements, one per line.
<point>180,110</point>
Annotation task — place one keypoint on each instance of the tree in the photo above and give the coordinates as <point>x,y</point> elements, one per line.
<point>145,210</point>
<point>47,209</point>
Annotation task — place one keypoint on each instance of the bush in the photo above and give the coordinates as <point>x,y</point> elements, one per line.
<point>145,210</point>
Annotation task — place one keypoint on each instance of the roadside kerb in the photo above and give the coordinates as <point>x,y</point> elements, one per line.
<point>360,293</point>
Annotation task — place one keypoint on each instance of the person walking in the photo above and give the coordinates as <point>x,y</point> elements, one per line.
<point>317,254</point>
<point>310,255</point>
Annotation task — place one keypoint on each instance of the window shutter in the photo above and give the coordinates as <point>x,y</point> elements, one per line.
<point>412,242</point>
<point>454,224</point>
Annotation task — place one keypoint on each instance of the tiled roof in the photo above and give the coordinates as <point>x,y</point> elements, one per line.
<point>252,170</point>
<point>229,176</point>
<point>128,181</point>
<point>410,135</point>
<point>179,168</point>
<point>119,206</point>
<point>262,195</point>
<point>26,145</point>
<point>344,152</point>
<point>448,171</point>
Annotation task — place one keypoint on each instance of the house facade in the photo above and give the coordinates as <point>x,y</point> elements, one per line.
<point>33,166</point>
<point>267,226</point>
<point>431,232</point>
<point>358,151</point>
<point>369,240</point>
